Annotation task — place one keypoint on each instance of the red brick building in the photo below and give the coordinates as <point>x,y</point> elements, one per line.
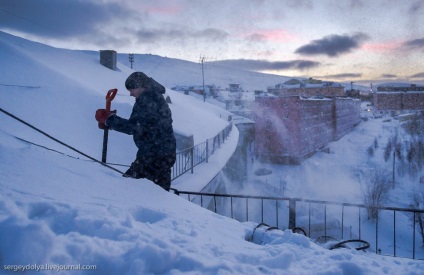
<point>399,100</point>
<point>289,129</point>
<point>346,115</point>
<point>308,88</point>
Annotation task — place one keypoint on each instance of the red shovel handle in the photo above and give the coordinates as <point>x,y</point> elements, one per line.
<point>109,97</point>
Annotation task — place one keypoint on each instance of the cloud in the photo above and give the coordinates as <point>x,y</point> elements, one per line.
<point>156,8</point>
<point>415,43</point>
<point>382,47</point>
<point>415,7</point>
<point>356,3</point>
<point>256,37</point>
<point>333,45</point>
<point>298,4</point>
<point>166,34</point>
<point>388,76</point>
<point>418,75</point>
<point>345,75</point>
<point>214,34</point>
<point>58,19</point>
<point>261,65</point>
<point>276,35</point>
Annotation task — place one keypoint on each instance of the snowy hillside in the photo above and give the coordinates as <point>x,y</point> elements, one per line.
<point>60,213</point>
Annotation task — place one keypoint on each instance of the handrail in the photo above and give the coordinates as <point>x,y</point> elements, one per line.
<point>178,192</point>
<point>190,157</point>
<point>320,223</point>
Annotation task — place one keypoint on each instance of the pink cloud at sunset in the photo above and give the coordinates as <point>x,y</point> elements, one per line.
<point>272,35</point>
<point>381,47</point>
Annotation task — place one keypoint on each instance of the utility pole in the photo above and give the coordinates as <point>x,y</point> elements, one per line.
<point>395,146</point>
<point>202,59</point>
<point>131,58</point>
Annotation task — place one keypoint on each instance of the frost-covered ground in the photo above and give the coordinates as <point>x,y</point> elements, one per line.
<point>62,212</point>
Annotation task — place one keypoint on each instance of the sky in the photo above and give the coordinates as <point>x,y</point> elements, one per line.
<point>350,40</point>
<point>59,211</point>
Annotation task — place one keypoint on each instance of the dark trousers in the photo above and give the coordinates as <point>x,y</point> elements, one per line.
<point>155,168</point>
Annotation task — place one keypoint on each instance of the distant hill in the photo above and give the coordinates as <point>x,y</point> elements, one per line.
<point>173,72</point>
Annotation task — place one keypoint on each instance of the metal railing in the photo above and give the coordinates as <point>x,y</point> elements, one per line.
<point>189,158</point>
<point>185,161</point>
<point>323,219</point>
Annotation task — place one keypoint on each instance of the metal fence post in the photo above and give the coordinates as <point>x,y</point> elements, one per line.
<point>207,150</point>
<point>292,214</point>
<point>413,239</point>
<point>394,233</point>
<point>192,160</point>
<point>376,236</point>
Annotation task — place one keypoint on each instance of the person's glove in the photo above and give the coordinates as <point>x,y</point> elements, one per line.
<point>102,126</point>
<point>102,115</point>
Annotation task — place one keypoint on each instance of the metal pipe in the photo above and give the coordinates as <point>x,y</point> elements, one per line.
<point>394,233</point>
<point>413,239</point>
<point>342,221</point>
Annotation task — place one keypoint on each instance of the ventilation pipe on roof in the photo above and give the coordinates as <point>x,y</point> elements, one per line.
<point>108,59</point>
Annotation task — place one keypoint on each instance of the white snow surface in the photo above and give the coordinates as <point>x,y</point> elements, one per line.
<point>60,212</point>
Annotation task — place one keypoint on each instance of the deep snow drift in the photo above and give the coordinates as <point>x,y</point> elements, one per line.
<point>59,212</point>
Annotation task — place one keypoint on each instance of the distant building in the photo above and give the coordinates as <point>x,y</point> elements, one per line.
<point>291,128</point>
<point>258,92</point>
<point>307,88</point>
<point>235,88</point>
<point>404,88</point>
<point>399,98</point>
<point>197,89</point>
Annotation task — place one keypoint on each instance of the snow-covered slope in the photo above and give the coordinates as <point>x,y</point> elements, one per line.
<point>58,212</point>
<point>50,87</point>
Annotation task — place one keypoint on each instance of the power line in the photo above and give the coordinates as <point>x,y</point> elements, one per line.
<point>58,141</point>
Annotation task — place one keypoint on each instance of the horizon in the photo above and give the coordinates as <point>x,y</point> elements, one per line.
<point>365,84</point>
<point>347,41</point>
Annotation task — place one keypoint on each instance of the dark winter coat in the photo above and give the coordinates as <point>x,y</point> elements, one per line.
<point>150,123</point>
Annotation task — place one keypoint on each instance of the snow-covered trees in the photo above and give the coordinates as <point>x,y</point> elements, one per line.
<point>376,188</point>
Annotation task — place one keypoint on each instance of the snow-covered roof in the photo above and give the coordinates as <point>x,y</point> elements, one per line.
<point>307,85</point>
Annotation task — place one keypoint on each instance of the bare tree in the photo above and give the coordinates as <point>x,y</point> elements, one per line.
<point>375,143</point>
<point>375,187</point>
<point>370,151</point>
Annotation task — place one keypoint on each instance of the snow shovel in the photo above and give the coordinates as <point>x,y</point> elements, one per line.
<point>109,97</point>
